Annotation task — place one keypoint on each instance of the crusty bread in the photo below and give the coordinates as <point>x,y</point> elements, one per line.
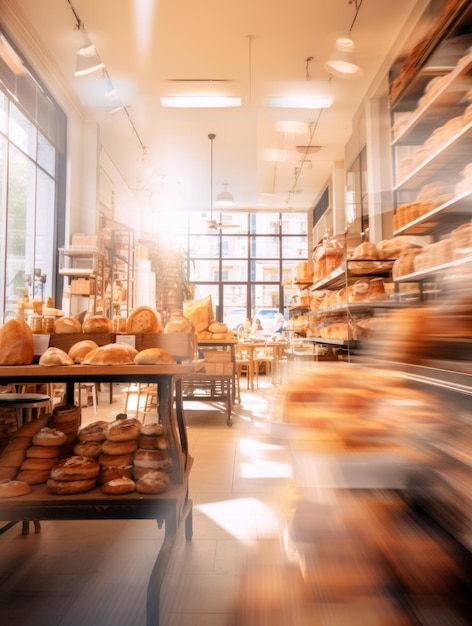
<point>153,356</point>
<point>16,343</point>
<point>67,325</point>
<point>217,327</point>
<point>143,320</point>
<point>97,324</point>
<point>55,356</point>
<point>200,312</point>
<point>111,354</point>
<point>80,350</point>
<point>179,325</point>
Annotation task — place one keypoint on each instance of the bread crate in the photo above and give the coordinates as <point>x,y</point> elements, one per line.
<point>218,362</point>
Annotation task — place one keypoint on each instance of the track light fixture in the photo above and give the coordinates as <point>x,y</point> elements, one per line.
<point>87,60</point>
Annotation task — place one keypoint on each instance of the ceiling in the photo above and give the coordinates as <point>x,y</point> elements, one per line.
<point>255,49</point>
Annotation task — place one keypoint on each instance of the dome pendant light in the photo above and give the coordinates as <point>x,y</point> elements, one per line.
<point>224,198</point>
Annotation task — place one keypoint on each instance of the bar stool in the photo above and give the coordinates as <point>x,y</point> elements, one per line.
<point>25,404</point>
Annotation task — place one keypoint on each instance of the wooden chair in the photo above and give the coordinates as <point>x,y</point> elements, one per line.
<point>139,392</point>
<point>264,356</point>
<point>244,366</point>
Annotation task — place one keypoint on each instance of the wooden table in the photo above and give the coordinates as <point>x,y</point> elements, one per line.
<point>170,508</point>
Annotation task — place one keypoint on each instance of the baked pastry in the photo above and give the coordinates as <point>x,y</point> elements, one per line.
<point>123,429</point>
<point>153,482</point>
<point>55,356</point>
<point>143,319</point>
<point>115,460</point>
<point>75,468</point>
<point>119,447</point>
<point>88,448</point>
<point>111,354</point>
<point>152,459</point>
<point>93,432</point>
<point>112,473</point>
<point>12,458</point>
<point>68,487</point>
<point>200,312</point>
<point>97,324</point>
<point>16,343</point>
<point>181,324</point>
<point>153,356</point>
<point>119,486</point>
<point>33,477</point>
<point>217,327</point>
<point>49,437</point>
<point>38,464</point>
<point>67,325</point>
<point>79,350</point>
<point>13,488</point>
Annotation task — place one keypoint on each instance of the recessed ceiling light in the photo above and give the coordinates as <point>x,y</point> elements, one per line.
<point>302,102</point>
<point>200,102</point>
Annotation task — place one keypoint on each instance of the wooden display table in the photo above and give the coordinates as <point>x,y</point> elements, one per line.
<point>170,508</point>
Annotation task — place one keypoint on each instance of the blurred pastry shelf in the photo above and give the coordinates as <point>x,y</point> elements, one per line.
<point>345,273</point>
<point>444,269</point>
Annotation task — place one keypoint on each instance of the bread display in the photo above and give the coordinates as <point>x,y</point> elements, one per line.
<point>180,324</point>
<point>143,319</point>
<point>200,312</point>
<point>16,343</point>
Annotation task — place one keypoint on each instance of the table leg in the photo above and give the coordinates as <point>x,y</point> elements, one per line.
<point>158,572</point>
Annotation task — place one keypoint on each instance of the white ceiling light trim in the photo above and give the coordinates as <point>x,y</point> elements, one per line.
<point>200,102</point>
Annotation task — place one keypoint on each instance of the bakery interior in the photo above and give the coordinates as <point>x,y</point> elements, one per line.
<point>172,172</point>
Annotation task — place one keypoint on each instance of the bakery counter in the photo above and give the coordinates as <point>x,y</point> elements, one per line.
<point>170,508</point>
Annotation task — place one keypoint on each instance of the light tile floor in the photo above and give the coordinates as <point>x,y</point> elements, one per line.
<point>88,573</point>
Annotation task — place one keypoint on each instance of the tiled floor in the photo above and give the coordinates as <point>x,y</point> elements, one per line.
<point>95,573</point>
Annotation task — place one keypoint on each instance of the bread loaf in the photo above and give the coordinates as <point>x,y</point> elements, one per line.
<point>153,356</point>
<point>55,356</point>
<point>16,343</point>
<point>67,325</point>
<point>143,320</point>
<point>80,350</point>
<point>111,354</point>
<point>200,312</point>
<point>97,324</point>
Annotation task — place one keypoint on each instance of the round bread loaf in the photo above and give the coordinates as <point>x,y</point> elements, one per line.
<point>153,356</point>
<point>152,428</point>
<point>8,473</point>
<point>158,466</point>
<point>16,340</point>
<point>38,464</point>
<point>20,443</point>
<point>119,486</point>
<point>55,356</point>
<point>153,482</point>
<point>178,325</point>
<point>217,327</point>
<point>152,442</point>
<point>88,448</point>
<point>119,447</point>
<point>93,432</point>
<point>43,452</point>
<point>75,468</point>
<point>115,460</point>
<point>66,414</point>
<point>33,477</point>
<point>123,430</point>
<point>111,354</point>
<point>111,473</point>
<point>49,437</point>
<point>67,325</point>
<point>79,350</point>
<point>68,487</point>
<point>13,488</point>
<point>97,324</point>
<point>150,458</point>
<point>143,320</point>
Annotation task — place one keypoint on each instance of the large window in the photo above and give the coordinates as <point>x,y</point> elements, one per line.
<point>32,183</point>
<point>246,263</point>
